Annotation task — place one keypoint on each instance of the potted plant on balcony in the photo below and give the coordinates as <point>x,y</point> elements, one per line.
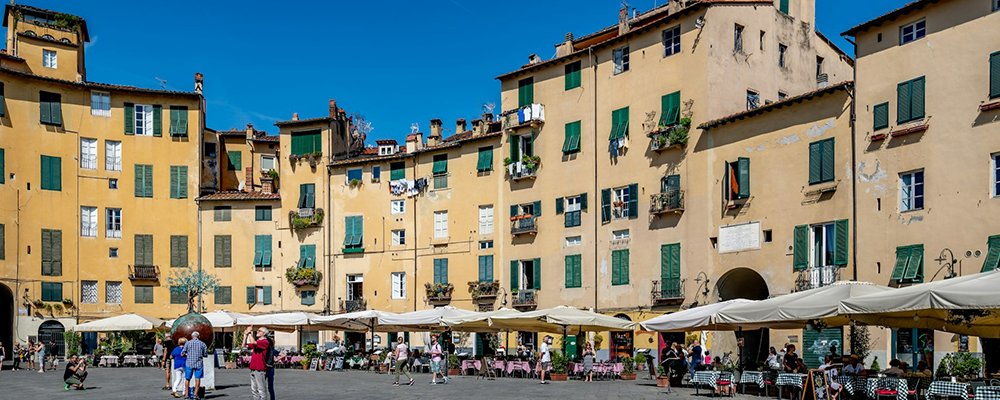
<point>531,162</point>
<point>67,303</point>
<point>354,183</point>
<point>559,364</point>
<point>439,291</point>
<point>56,308</point>
<point>453,365</point>
<point>628,369</point>
<point>507,161</point>
<point>299,277</point>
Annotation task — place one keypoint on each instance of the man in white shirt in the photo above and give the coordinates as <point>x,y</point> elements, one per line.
<point>545,357</point>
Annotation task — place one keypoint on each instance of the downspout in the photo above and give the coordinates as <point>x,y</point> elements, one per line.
<point>329,253</point>
<point>416,240</point>
<point>852,92</point>
<point>197,204</point>
<point>597,193</point>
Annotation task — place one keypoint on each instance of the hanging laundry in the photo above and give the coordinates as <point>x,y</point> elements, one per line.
<point>538,112</point>
<point>613,148</point>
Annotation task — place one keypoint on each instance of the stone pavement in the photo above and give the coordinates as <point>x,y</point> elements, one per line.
<point>145,383</point>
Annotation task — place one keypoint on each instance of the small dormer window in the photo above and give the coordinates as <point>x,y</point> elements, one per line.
<point>911,32</point>
<point>30,33</point>
<point>49,59</point>
<point>48,37</point>
<point>64,40</point>
<point>387,150</point>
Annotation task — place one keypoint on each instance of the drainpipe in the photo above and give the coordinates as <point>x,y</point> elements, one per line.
<point>852,92</point>
<point>416,241</point>
<point>197,204</point>
<point>597,191</point>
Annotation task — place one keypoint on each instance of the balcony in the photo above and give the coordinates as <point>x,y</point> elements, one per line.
<point>439,294</point>
<point>304,218</point>
<point>484,292</point>
<point>671,201</point>
<point>523,224</point>
<point>532,115</point>
<point>300,277</point>
<point>814,277</point>
<point>667,293</point>
<point>143,273</point>
<point>669,137</point>
<point>525,169</point>
<point>524,300</point>
<point>347,306</point>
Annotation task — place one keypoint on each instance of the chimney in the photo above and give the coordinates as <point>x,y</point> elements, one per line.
<point>434,138</point>
<point>266,184</point>
<point>333,108</point>
<point>295,116</point>
<point>460,125</point>
<point>250,132</point>
<point>623,25</point>
<point>534,59</point>
<point>248,179</point>
<point>566,48</point>
<point>199,81</point>
<point>414,142</point>
<point>478,127</point>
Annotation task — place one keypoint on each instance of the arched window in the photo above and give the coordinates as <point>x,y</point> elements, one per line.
<point>49,37</point>
<point>30,33</point>
<point>64,40</point>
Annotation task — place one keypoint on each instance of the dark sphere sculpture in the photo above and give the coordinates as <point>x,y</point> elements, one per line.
<point>192,322</point>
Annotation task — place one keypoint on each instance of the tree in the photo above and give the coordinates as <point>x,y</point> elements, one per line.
<point>193,283</point>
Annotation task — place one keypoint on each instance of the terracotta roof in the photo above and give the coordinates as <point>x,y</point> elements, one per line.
<point>450,142</point>
<point>458,136</point>
<point>83,22</point>
<point>386,142</point>
<point>370,151</point>
<point>99,86</point>
<point>776,105</point>
<point>304,121</point>
<point>412,137</point>
<point>259,136</point>
<point>239,196</point>
<point>5,54</point>
<point>843,55</point>
<point>909,7</point>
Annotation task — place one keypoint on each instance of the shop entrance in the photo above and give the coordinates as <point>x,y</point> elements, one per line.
<point>745,283</point>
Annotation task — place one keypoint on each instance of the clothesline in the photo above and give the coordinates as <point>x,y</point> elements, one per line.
<point>411,188</point>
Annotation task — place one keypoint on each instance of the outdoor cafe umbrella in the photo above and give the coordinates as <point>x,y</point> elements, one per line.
<point>422,320</point>
<point>568,320</point>
<point>287,321</point>
<point>798,309</point>
<point>478,322</point>
<point>693,319</point>
<point>358,321</point>
<point>967,305</point>
<point>125,322</point>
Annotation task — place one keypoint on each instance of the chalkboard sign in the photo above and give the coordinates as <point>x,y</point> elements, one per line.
<point>816,384</point>
<point>329,365</point>
<point>314,364</point>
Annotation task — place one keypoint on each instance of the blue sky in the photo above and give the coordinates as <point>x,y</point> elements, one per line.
<point>395,62</point>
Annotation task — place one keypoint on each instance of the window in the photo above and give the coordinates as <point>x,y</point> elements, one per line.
<point>223,295</point>
<point>753,99</point>
<point>113,183</point>
<point>398,237</point>
<point>113,223</point>
<point>619,203</point>
<point>819,67</point>
<point>574,241</point>
<point>262,213</point>
<point>51,252</point>
<point>51,173</point>
<point>782,50</point>
<point>100,104</point>
<point>996,175</point>
<point>397,207</point>
<point>670,109</point>
<point>113,252</point>
<point>571,143</point>
<point>178,121</point>
<point>485,244</point>
<point>522,146</point>
<point>783,6</point>
<point>670,271</point>
<point>112,155</point>
<point>525,91</point>
<point>267,163</point>
<point>736,179</point>
<point>526,274</point>
<point>3,241</point>
<point>235,160</point>
<point>144,295</point>
<point>486,268</point>
<point>620,235</point>
<point>738,39</point>
<point>398,285</point>
<point>397,171</point>
<point>307,142</point>
<point>821,161</point>
<point>782,95</point>
<point>88,292</point>
<point>440,224</point>
<point>143,180</point>
<point>880,116</point>
<point>143,120</point>
<point>910,100</point>
<point>485,162</point>
<point>572,75</point>
<point>573,273</point>
<point>909,267</point>
<point>178,295</point>
<point>143,249</point>
<point>376,173</point>
<point>52,291</point>
<point>620,56</point>
<point>112,292</point>
<point>619,267</point>
<point>822,245</point>
<point>354,233</point>
<point>50,59</point>
<point>995,74</point>
<point>307,195</point>
<point>441,270</point>
<point>440,171</point>
<point>619,124</point>
<point>355,286</point>
<point>178,251</point>
<point>308,297</point>
<point>262,252</point>
<point>88,221</point>
<point>486,220</point>
<point>672,41</point>
<point>178,181</point>
<point>258,295</point>
<point>307,256</point>
<point>911,32</point>
<point>223,251</point>
<point>573,208</point>
<point>88,153</point>
<point>911,191</point>
<point>354,175</point>
<point>223,213</point>
<point>763,39</point>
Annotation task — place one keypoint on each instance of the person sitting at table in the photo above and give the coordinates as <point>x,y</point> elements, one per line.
<point>832,386</point>
<point>773,362</point>
<point>922,371</point>
<point>790,360</point>
<point>894,369</point>
<point>854,366</point>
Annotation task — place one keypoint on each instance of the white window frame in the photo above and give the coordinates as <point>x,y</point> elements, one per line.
<point>397,207</point>
<point>50,59</point>
<point>572,241</point>
<point>620,57</point>
<point>820,254</point>
<point>620,194</point>
<point>259,297</point>
<point>917,32</point>
<point>144,114</point>
<point>486,220</point>
<point>112,155</point>
<point>351,279</point>
<point>670,40</point>
<point>622,234</point>
<point>573,204</point>
<point>398,237</point>
<point>113,223</point>
<point>995,170</point>
<point>88,153</point>
<point>267,159</point>
<point>908,202</point>
<point>440,224</point>
<point>88,221</point>
<point>398,285</point>
<point>91,287</point>
<point>485,244</point>
<point>100,104</point>
<point>110,289</point>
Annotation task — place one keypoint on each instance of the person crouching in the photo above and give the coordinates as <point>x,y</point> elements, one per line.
<point>75,374</point>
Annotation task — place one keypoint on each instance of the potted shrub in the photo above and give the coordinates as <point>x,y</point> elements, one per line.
<point>628,369</point>
<point>453,365</point>
<point>354,183</point>
<point>662,379</point>
<point>559,365</point>
<point>507,161</point>
<point>67,303</point>
<point>640,362</point>
<point>962,366</point>
<point>231,358</point>
<point>305,363</point>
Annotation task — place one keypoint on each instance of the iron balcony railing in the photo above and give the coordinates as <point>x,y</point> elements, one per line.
<point>814,277</point>
<point>525,299</point>
<point>143,273</point>
<point>669,201</point>
<point>353,305</point>
<point>667,291</point>
<point>520,170</point>
<point>523,224</point>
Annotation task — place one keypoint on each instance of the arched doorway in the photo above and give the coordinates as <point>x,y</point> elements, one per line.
<point>745,283</point>
<point>52,331</point>
<point>7,319</point>
<point>622,341</point>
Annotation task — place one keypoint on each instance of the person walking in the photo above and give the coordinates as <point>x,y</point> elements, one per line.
<point>40,356</point>
<point>18,355</point>
<point>696,357</point>
<point>194,366</point>
<point>435,359</point>
<point>545,358</point>
<point>168,350</point>
<point>402,353</point>
<point>269,363</point>
<point>260,348</point>
<point>179,362</point>
<point>75,373</point>
<point>50,351</point>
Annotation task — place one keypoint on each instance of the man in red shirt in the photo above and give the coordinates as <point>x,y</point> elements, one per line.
<point>258,369</point>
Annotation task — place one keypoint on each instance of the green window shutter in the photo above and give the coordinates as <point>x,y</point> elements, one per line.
<point>995,75</point>
<point>525,92</point>
<point>267,295</point>
<point>537,272</point>
<point>815,163</point>
<point>619,123</point>
<point>572,76</point>
<point>800,248</point>
<point>903,98</point>
<point>173,182</point>
<point>157,120</point>
<point>571,142</point>
<point>670,109</point>
<point>235,160</point>
<point>44,111</point>
<point>310,255</point>
<point>178,121</point>
<point>3,100</point>
<point>258,250</point>
<point>828,165</point>
<point>743,175</point>
<point>308,297</point>
<point>397,170</point>
<point>624,267</point>
<point>266,262</point>
<point>56,107</point>
<point>2,163</point>
<point>841,240</point>
<point>616,266</point>
<point>251,295</point>
<point>311,195</point>
<point>139,179</point>
<point>902,256</point>
<point>148,181</point>
<point>990,264</point>
<point>129,118</point>
<point>51,173</point>
<point>440,164</point>
<point>559,205</point>
<point>915,265</point>
<point>583,201</point>
<point>783,6</point>
<point>441,270</point>
<point>917,94</point>
<point>485,162</point>
<point>537,208</point>
<point>3,238</point>
<point>514,210</point>
<point>46,252</point>
<point>727,189</point>
<point>178,251</point>
<point>359,230</point>
<point>303,193</point>
<point>173,120</point>
<point>514,276</point>
<point>515,152</point>
<point>573,274</point>
<point>223,251</point>
<point>224,295</point>
<point>880,116</point>
<point>182,182</point>
<point>605,205</point>
<point>633,201</point>
<point>568,279</point>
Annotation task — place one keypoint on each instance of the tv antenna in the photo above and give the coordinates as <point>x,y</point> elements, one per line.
<point>488,108</point>
<point>163,82</point>
<point>414,128</point>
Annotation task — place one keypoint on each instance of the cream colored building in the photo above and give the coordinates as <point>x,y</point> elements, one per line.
<point>928,79</point>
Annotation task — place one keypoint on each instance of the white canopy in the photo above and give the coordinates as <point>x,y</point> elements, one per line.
<point>796,310</point>
<point>125,322</point>
<point>219,319</point>
<point>422,320</point>
<point>478,322</point>
<point>560,319</point>
<point>278,321</point>
<point>359,321</point>
<point>966,305</point>
<point>698,318</point>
